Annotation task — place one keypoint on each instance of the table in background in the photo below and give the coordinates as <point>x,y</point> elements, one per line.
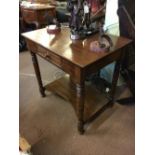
<point>36,14</point>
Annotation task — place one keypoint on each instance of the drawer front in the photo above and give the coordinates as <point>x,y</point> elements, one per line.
<point>62,63</point>
<point>65,65</point>
<point>53,58</point>
<point>29,16</point>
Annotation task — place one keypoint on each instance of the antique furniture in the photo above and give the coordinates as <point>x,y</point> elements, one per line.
<point>78,61</point>
<point>36,14</point>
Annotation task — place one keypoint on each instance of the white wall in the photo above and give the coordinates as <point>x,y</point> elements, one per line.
<point>111,19</point>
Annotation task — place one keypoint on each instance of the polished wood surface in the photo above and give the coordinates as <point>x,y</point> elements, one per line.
<point>76,59</point>
<point>77,52</point>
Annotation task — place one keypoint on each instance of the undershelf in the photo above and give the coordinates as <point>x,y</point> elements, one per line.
<point>94,99</point>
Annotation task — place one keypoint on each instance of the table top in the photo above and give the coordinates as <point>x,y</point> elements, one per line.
<point>76,51</point>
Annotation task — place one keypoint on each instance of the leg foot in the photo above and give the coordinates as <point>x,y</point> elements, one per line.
<point>111,103</point>
<point>80,106</point>
<point>81,128</point>
<point>42,92</point>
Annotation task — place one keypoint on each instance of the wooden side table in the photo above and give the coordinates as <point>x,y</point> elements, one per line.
<point>76,59</point>
<point>37,15</point>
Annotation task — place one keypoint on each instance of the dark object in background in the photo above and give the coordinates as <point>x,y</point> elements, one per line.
<point>62,17</point>
<point>22,43</point>
<point>126,14</point>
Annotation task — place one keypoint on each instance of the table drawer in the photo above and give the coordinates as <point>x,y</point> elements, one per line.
<point>53,58</point>
<point>56,60</point>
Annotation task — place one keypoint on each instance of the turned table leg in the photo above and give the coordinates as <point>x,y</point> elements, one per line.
<point>38,75</point>
<point>114,80</point>
<point>80,93</point>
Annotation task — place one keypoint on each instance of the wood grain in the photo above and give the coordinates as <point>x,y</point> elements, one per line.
<point>77,52</point>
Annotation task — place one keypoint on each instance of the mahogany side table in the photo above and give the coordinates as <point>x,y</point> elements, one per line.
<point>76,59</point>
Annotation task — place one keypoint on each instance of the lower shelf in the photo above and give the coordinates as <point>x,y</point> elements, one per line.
<point>94,100</point>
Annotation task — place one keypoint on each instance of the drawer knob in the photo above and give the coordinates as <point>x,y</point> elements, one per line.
<point>47,55</point>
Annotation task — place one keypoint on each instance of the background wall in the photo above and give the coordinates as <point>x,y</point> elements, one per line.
<point>111,19</point>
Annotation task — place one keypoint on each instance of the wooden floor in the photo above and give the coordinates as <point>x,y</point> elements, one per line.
<point>50,124</point>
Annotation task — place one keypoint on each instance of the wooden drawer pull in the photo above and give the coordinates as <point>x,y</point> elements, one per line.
<point>47,55</point>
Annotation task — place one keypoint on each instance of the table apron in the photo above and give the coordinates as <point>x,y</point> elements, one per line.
<point>94,67</point>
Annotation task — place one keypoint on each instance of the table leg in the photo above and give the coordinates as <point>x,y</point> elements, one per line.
<point>80,93</point>
<point>38,75</point>
<point>114,80</point>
